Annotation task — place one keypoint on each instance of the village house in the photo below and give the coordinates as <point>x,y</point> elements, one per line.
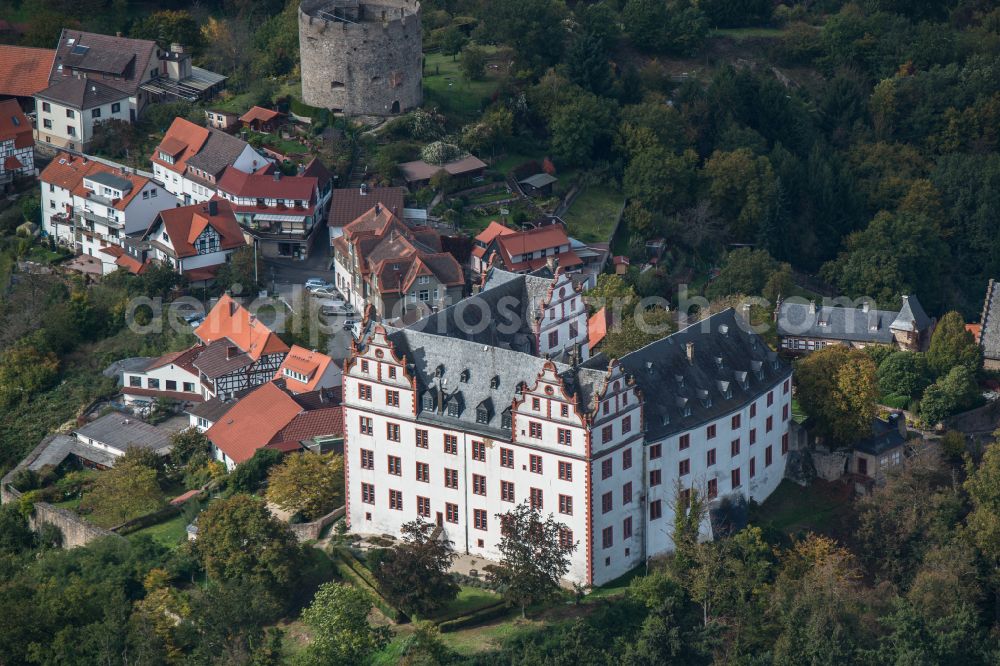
<point>17,146</point>
<point>194,240</point>
<point>235,352</point>
<point>456,431</point>
<point>115,433</point>
<point>350,203</point>
<point>272,417</point>
<point>191,159</point>
<point>94,78</point>
<point>305,370</point>
<point>381,261</point>
<point>524,251</point>
<point>280,212</point>
<point>803,327</point>
<point>93,207</point>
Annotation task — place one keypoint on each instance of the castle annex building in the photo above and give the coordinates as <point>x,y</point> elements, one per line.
<point>456,431</point>
<point>361,57</point>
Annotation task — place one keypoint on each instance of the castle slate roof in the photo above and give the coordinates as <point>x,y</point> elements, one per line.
<point>470,374</point>
<point>835,323</point>
<point>911,316</point>
<point>729,368</point>
<point>503,314</point>
<point>989,335</point>
<point>885,437</point>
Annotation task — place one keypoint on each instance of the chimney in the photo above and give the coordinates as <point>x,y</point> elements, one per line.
<point>277,175</point>
<point>550,261</point>
<point>378,209</point>
<point>363,189</point>
<point>865,306</point>
<point>812,307</point>
<point>233,305</point>
<point>689,347</point>
<point>118,33</point>
<point>213,207</point>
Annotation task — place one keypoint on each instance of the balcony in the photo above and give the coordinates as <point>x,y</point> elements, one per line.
<point>93,218</point>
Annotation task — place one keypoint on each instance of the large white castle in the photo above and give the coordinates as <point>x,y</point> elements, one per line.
<point>459,417</point>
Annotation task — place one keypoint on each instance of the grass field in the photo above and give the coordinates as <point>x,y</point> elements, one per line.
<point>446,87</point>
<point>469,600</point>
<point>592,216</point>
<point>169,533</point>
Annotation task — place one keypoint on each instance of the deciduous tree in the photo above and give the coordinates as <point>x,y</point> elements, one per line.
<point>534,557</point>
<point>414,574</point>
<point>308,484</point>
<point>240,541</point>
<point>338,616</point>
<point>836,387</point>
<point>128,490</point>
<point>949,395</point>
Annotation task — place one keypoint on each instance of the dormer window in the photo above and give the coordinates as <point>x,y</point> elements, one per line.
<point>687,410</point>
<point>464,376</point>
<point>453,410</point>
<point>505,419</point>
<point>428,401</point>
<point>495,382</point>
<point>482,414</point>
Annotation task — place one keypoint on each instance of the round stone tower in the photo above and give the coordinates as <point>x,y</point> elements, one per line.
<point>361,57</point>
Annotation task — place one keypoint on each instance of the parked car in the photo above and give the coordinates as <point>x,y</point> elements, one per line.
<point>326,292</point>
<point>312,284</point>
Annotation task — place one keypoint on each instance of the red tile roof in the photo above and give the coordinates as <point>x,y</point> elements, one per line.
<point>24,71</point>
<point>312,364</point>
<point>15,125</point>
<point>182,141</point>
<point>259,113</point>
<point>253,422</point>
<point>314,423</point>
<point>185,224</point>
<point>268,186</point>
<point>348,204</point>
<point>183,359</point>
<point>230,320</point>
<point>534,240</point>
<point>597,328</point>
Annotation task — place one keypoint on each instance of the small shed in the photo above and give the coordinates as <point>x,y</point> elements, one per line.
<point>262,120</point>
<point>538,184</point>
<point>883,450</point>
<point>621,264</point>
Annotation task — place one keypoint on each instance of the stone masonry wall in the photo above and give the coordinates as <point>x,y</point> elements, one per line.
<point>371,67</point>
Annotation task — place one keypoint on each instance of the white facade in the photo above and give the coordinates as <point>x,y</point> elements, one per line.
<point>208,238</point>
<point>170,378</point>
<point>595,472</point>
<point>72,128</point>
<point>563,322</point>
<point>202,186</point>
<point>99,219</point>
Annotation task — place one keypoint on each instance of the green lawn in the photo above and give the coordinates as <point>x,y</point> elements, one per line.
<point>446,87</point>
<point>169,533</point>
<point>71,504</point>
<point>592,216</point>
<point>793,509</point>
<point>469,600</point>
<point>489,197</point>
<point>616,587</point>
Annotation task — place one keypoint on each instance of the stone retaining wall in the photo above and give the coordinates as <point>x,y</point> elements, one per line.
<point>311,531</point>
